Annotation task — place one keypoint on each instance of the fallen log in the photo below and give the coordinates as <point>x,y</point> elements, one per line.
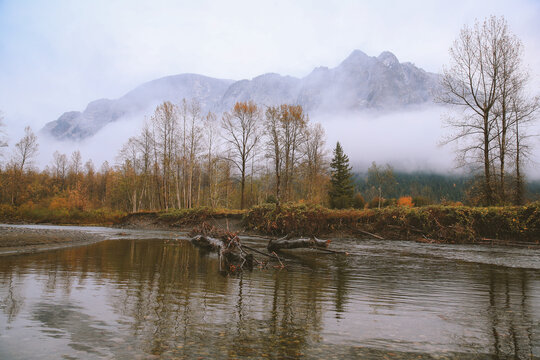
<point>259,252</point>
<point>284,243</point>
<point>207,243</point>
<point>230,253</point>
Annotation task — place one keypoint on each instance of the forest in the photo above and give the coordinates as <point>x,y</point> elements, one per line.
<point>183,159</point>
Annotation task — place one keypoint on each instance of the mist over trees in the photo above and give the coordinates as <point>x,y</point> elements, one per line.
<point>486,81</point>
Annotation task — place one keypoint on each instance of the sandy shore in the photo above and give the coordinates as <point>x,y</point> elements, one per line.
<point>19,240</point>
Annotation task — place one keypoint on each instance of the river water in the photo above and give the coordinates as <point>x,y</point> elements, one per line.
<point>151,294</point>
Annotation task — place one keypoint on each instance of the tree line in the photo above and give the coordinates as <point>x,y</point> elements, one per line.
<point>184,158</point>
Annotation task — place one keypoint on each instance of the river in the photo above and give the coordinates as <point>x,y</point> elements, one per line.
<point>151,294</point>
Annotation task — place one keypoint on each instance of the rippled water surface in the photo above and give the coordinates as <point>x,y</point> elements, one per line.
<point>146,295</point>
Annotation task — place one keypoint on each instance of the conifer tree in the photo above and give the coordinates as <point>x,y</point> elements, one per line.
<point>341,187</point>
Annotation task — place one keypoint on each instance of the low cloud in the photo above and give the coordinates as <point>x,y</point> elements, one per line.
<point>408,140</point>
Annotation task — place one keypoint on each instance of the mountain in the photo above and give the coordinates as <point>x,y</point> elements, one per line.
<point>79,125</point>
<point>359,82</point>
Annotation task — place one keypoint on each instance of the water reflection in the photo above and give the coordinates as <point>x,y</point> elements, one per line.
<point>129,298</point>
<point>511,296</point>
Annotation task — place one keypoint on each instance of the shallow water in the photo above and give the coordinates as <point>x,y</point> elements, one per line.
<point>143,295</point>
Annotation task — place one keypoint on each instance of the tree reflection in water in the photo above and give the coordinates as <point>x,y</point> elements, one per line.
<point>155,297</point>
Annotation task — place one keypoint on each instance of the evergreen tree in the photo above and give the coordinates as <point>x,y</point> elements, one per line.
<point>341,185</point>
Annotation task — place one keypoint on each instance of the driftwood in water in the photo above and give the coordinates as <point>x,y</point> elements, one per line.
<point>231,252</point>
<point>284,243</point>
<point>207,243</point>
<point>237,259</point>
<point>235,255</point>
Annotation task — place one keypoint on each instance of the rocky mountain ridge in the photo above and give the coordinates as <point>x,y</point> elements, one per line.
<point>358,82</point>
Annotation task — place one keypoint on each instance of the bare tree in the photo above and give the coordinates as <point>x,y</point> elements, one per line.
<point>60,167</point>
<point>211,141</point>
<point>25,150</point>
<point>522,114</point>
<point>165,122</point>
<point>194,135</point>
<point>293,125</point>
<point>381,178</point>
<point>511,81</point>
<point>471,84</point>
<point>145,146</point>
<point>182,158</point>
<point>487,81</point>
<point>129,159</point>
<point>241,132</point>
<point>75,165</point>
<point>314,158</point>
<point>274,146</point>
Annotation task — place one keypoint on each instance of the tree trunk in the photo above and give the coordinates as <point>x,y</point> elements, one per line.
<point>284,243</point>
<point>519,181</point>
<point>243,184</point>
<point>487,173</point>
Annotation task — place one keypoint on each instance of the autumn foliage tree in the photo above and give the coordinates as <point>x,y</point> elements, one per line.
<point>241,132</point>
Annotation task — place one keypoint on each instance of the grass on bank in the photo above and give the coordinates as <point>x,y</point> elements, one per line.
<point>39,215</point>
<point>30,213</point>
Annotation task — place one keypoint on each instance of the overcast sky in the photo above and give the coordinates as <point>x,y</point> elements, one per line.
<point>57,56</point>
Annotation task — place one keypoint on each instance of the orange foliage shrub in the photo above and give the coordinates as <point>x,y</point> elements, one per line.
<point>58,203</point>
<point>405,201</point>
<point>70,200</point>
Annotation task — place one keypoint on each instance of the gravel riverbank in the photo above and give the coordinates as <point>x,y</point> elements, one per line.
<point>22,240</point>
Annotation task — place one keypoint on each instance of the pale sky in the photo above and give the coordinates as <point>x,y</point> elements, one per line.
<point>57,56</point>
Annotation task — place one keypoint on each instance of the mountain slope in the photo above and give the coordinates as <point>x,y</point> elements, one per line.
<point>359,82</point>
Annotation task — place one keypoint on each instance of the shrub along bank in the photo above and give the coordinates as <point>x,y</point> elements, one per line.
<point>452,224</point>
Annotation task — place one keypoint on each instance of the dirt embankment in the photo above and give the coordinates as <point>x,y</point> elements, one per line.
<point>21,240</point>
<point>185,221</point>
